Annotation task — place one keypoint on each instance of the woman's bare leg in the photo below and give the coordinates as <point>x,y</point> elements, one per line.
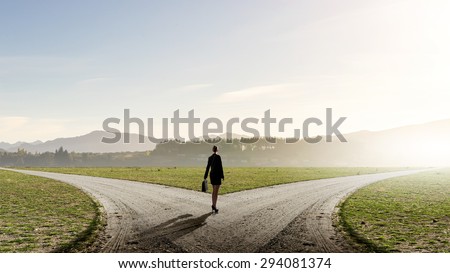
<point>215,194</point>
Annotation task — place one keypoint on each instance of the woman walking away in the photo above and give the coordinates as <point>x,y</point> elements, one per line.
<point>216,176</point>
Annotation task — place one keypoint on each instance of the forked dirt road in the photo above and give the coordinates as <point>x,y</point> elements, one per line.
<point>296,217</point>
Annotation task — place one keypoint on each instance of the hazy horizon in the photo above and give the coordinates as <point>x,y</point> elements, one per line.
<point>244,134</point>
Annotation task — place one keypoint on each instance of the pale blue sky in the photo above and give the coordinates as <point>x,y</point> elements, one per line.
<point>65,66</point>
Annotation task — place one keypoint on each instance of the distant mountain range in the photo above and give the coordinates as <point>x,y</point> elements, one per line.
<point>416,145</point>
<point>91,142</point>
<point>425,144</point>
<point>9,147</point>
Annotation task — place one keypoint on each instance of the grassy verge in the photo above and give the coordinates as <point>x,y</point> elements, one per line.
<point>236,179</point>
<point>405,214</point>
<point>43,215</point>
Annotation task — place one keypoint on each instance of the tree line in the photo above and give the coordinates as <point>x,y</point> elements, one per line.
<point>239,152</point>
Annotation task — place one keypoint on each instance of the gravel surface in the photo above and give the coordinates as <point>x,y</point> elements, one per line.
<point>143,217</point>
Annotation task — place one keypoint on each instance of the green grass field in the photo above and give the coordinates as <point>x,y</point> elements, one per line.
<point>405,214</point>
<point>236,179</point>
<point>43,215</point>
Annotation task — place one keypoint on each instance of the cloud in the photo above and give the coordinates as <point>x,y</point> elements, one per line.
<point>257,92</point>
<point>194,87</point>
<point>11,123</point>
<point>13,129</point>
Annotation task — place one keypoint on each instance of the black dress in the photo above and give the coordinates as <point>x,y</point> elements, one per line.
<point>216,174</point>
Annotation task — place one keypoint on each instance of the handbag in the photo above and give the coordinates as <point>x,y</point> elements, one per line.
<point>205,185</point>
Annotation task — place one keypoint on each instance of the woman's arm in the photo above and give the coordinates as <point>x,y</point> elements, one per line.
<point>207,168</point>
<point>221,168</point>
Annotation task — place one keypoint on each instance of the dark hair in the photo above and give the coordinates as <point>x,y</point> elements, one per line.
<point>214,148</point>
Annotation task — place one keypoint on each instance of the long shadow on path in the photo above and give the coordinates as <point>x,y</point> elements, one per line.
<point>161,238</point>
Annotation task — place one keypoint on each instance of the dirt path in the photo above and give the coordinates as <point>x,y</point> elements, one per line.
<point>294,217</point>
